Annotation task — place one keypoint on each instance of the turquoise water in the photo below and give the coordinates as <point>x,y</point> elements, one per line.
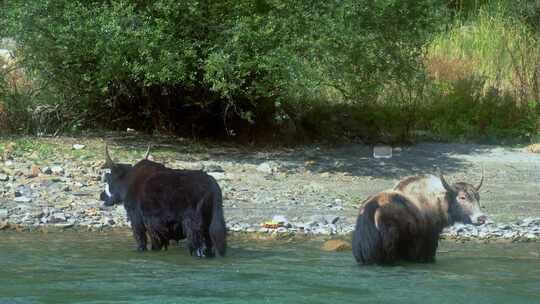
<point>104,268</point>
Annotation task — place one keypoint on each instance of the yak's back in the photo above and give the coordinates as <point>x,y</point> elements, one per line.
<point>179,184</point>
<point>426,184</point>
<point>428,193</point>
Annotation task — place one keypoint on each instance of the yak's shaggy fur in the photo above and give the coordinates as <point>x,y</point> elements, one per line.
<point>405,222</point>
<point>166,204</point>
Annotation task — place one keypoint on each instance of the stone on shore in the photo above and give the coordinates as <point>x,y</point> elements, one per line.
<point>78,147</point>
<point>336,245</point>
<point>268,167</point>
<point>35,170</point>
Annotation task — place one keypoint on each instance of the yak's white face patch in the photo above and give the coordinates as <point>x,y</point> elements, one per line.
<point>107,191</point>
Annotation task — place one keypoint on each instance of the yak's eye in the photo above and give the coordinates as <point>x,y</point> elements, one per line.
<point>462,197</point>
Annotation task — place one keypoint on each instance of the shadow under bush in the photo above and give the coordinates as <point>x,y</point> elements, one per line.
<point>466,110</point>
<point>461,110</point>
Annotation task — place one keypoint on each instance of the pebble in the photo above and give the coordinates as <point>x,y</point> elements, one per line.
<point>336,245</point>
<point>76,187</point>
<point>34,171</point>
<point>59,217</point>
<point>64,225</point>
<point>280,219</point>
<point>333,219</point>
<point>22,199</point>
<point>267,167</point>
<point>282,230</point>
<point>213,168</point>
<point>78,146</point>
<point>217,175</point>
<point>57,170</point>
<point>47,170</point>
<point>318,220</point>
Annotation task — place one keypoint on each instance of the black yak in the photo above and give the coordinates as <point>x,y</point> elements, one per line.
<point>168,204</point>
<point>406,222</point>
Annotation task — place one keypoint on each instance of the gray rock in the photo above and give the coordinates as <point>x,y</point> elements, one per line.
<point>4,178</point>
<point>504,227</point>
<point>27,218</point>
<point>282,230</point>
<point>333,228</point>
<point>332,219</point>
<point>36,214</point>
<point>78,146</point>
<point>236,228</point>
<point>213,168</point>
<point>22,199</point>
<point>509,235</point>
<point>217,175</point>
<point>280,219</point>
<point>64,225</point>
<point>322,231</point>
<point>318,219</point>
<point>267,167</point>
<point>107,221</point>
<point>3,214</point>
<point>47,170</point>
<point>59,217</point>
<point>57,170</point>
<point>529,221</point>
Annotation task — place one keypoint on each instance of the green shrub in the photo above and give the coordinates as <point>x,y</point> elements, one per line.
<point>466,111</point>
<point>204,66</point>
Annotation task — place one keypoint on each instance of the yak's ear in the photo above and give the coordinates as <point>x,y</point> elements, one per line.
<point>147,152</point>
<point>445,184</point>
<point>109,163</point>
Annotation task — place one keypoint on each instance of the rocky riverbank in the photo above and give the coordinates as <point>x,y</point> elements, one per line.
<point>305,191</point>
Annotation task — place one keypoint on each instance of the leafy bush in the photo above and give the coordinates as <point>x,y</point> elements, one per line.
<point>465,112</point>
<point>203,66</point>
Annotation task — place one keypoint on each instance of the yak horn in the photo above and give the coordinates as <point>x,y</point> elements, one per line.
<point>147,152</point>
<point>108,161</point>
<point>481,181</point>
<point>445,184</point>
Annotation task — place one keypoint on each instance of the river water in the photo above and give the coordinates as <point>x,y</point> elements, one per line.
<point>74,267</point>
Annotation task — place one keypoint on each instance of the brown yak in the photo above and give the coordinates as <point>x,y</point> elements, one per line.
<point>406,221</point>
<point>168,204</point>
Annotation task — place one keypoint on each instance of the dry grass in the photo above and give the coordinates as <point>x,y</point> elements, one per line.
<point>449,69</point>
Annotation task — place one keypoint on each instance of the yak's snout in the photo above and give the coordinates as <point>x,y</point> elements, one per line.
<point>480,219</point>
